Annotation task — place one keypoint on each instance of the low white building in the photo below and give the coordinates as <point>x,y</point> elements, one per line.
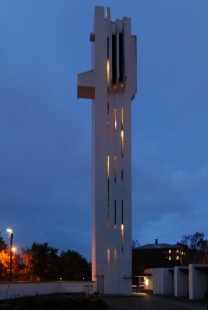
<point>191,281</point>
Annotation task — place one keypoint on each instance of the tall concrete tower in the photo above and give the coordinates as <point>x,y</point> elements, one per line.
<point>112,84</point>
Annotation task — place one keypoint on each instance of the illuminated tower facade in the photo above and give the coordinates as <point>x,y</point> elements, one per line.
<point>111,84</point>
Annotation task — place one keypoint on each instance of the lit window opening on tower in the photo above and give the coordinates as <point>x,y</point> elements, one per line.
<point>122,236</point>
<point>114,168</point>
<point>122,142</point>
<point>122,117</point>
<point>115,215</point>
<point>114,254</point>
<point>108,258</point>
<point>115,124</point>
<point>108,167</point>
<point>108,72</point>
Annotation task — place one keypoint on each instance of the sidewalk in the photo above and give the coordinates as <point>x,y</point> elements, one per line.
<point>141,301</point>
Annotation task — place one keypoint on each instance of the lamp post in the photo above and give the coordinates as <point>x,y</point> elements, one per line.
<point>10,231</point>
<point>14,251</point>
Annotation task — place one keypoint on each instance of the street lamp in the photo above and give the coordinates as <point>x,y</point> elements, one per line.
<point>10,231</point>
<point>14,251</point>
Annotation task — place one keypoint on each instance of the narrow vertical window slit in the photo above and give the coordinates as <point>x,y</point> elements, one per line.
<point>122,236</point>
<point>122,117</point>
<point>108,177</point>
<point>114,168</point>
<point>122,225</point>
<point>114,59</point>
<point>121,57</point>
<point>108,254</point>
<point>115,123</point>
<point>114,258</point>
<point>115,214</point>
<point>108,72</point>
<point>122,143</point>
<point>108,166</point>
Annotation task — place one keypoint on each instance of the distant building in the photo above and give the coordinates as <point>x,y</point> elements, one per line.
<point>171,252</point>
<point>112,85</point>
<point>150,256</point>
<point>157,255</point>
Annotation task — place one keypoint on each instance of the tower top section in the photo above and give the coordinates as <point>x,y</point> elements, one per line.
<point>114,57</point>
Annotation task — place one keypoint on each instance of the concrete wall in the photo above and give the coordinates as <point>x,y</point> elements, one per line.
<point>197,282</point>
<point>181,281</point>
<point>162,281</point>
<point>157,281</point>
<point>17,289</point>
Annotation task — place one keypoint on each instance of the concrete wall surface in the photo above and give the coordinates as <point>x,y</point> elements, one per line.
<point>197,282</point>
<point>192,279</point>
<point>162,281</point>
<point>181,281</point>
<point>156,281</point>
<point>167,281</point>
<point>18,289</point>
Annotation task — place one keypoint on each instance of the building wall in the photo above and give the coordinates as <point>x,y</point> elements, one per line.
<point>162,281</point>
<point>181,282</point>
<point>198,281</point>
<point>10,290</point>
<point>111,154</point>
<point>195,281</point>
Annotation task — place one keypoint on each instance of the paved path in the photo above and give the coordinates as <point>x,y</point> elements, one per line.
<point>150,302</point>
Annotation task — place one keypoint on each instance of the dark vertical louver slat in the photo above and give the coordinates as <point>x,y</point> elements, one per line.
<point>121,57</point>
<point>114,59</point>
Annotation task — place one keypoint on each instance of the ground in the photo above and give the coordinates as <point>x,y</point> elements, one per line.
<point>136,301</point>
<point>149,302</point>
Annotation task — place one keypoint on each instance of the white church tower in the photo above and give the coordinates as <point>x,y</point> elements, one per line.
<point>112,84</point>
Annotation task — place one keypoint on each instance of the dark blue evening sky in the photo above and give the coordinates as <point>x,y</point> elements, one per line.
<point>45,131</point>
